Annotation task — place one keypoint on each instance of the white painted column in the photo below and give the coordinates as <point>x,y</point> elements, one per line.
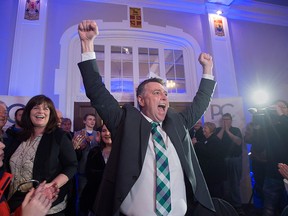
<point>227,86</point>
<point>28,53</point>
<point>222,55</point>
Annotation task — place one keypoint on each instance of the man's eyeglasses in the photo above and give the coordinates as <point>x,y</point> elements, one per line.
<point>4,113</point>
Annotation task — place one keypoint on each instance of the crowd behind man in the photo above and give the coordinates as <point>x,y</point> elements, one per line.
<point>269,163</point>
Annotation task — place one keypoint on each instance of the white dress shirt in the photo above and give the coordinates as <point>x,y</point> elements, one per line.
<point>141,199</point>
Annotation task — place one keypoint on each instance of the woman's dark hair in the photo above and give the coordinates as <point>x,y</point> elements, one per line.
<point>15,114</point>
<point>26,123</point>
<point>102,145</point>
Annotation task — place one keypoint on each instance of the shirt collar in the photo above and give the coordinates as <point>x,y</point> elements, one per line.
<point>149,119</point>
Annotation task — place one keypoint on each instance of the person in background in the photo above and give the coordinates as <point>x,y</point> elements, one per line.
<point>212,160</point>
<point>42,151</point>
<point>66,125</point>
<point>12,131</point>
<point>231,138</point>
<point>3,119</point>
<point>128,185</point>
<point>255,136</point>
<point>17,116</point>
<point>275,131</point>
<point>82,149</point>
<point>196,133</point>
<point>96,162</point>
<point>72,206</point>
<point>60,117</point>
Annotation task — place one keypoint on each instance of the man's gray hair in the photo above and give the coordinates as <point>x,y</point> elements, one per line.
<point>3,104</point>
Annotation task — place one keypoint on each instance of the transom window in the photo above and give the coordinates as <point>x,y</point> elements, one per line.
<point>150,64</point>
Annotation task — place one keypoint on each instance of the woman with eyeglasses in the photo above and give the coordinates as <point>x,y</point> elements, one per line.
<point>43,152</point>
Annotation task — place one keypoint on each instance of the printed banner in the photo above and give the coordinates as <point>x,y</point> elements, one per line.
<point>220,106</point>
<point>32,10</point>
<point>13,103</point>
<point>135,17</point>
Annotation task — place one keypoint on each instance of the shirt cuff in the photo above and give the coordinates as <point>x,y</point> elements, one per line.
<point>208,76</point>
<point>88,56</point>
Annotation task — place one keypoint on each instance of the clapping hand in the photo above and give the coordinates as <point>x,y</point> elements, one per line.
<point>78,141</point>
<point>38,201</point>
<point>283,169</point>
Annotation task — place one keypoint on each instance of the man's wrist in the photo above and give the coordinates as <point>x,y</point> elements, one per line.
<point>87,46</point>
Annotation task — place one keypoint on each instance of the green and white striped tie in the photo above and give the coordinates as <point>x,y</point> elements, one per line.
<point>163,193</point>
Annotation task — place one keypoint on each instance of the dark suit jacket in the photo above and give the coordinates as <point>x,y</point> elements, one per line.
<point>54,155</point>
<point>130,133</point>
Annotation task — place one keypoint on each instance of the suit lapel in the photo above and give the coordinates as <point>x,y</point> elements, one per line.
<point>170,128</point>
<point>145,128</point>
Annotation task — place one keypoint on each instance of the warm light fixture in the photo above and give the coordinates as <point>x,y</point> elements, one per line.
<point>170,84</point>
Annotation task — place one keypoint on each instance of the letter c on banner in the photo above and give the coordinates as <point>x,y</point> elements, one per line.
<point>13,107</point>
<point>217,110</point>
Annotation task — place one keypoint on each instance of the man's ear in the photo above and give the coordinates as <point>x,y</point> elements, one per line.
<point>140,101</point>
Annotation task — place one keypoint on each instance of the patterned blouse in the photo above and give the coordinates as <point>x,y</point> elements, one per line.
<point>21,164</point>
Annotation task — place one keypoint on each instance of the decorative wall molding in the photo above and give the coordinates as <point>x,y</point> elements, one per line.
<point>249,10</point>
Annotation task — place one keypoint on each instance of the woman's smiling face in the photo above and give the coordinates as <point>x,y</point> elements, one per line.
<point>39,115</point>
<point>106,135</point>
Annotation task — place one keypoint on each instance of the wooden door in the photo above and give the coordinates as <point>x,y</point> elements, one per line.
<point>80,110</point>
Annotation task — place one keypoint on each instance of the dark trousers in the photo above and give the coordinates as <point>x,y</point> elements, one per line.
<point>275,197</point>
<point>232,184</point>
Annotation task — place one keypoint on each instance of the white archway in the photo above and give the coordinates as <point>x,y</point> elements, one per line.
<point>68,78</point>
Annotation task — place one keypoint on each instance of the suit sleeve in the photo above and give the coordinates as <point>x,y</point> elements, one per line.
<point>67,157</point>
<point>101,99</point>
<point>199,104</point>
